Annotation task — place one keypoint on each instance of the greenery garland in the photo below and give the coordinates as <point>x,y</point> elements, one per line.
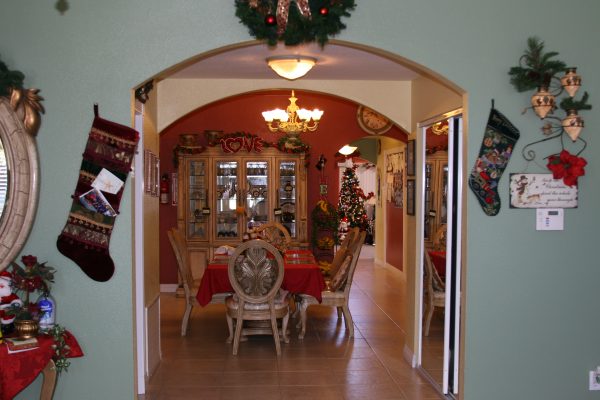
<point>324,218</point>
<point>60,348</point>
<point>325,21</point>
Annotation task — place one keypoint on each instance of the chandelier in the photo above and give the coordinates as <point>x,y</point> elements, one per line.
<point>293,120</point>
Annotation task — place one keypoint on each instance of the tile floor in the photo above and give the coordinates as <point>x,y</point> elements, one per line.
<point>325,365</point>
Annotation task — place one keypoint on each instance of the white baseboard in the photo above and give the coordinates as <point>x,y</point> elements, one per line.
<point>409,356</point>
<point>168,287</point>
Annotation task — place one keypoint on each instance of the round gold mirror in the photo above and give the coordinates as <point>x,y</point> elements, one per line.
<point>18,179</point>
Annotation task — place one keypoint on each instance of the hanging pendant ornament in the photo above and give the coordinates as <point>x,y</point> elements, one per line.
<point>283,12</point>
<point>324,11</point>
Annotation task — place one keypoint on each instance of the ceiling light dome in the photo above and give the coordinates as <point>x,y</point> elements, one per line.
<point>291,67</point>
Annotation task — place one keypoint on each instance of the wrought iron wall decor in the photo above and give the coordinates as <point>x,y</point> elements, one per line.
<point>539,71</point>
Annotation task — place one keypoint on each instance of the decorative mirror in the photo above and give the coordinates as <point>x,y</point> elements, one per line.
<point>19,121</point>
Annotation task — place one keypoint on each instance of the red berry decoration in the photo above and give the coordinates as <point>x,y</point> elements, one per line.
<point>270,20</point>
<point>324,11</point>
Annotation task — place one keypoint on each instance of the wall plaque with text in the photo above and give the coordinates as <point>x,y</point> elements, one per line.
<point>541,191</point>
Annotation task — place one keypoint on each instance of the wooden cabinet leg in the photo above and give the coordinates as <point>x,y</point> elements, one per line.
<point>49,383</point>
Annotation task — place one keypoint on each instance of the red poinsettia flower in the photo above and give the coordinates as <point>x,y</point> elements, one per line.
<point>567,167</point>
<point>29,261</point>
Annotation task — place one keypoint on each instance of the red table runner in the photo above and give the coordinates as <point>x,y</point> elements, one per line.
<point>302,275</point>
<point>18,370</point>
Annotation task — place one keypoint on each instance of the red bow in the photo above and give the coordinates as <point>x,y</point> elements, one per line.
<point>283,11</point>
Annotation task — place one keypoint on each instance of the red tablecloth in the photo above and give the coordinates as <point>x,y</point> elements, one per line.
<point>18,370</point>
<point>302,275</point>
<point>438,258</point>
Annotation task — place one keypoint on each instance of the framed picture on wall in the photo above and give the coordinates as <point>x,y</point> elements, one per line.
<point>410,197</point>
<point>147,170</point>
<point>154,175</point>
<point>410,158</point>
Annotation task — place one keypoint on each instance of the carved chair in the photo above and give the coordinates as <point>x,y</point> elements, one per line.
<point>190,286</point>
<point>342,251</point>
<point>275,234</point>
<point>338,294</point>
<point>439,238</point>
<point>256,272</point>
<point>434,292</point>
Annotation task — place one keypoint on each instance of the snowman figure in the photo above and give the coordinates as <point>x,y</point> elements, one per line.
<point>343,229</point>
<point>7,300</point>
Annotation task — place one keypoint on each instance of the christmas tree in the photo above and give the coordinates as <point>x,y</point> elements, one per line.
<point>351,207</point>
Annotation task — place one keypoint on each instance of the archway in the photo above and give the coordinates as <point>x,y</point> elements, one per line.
<point>364,92</point>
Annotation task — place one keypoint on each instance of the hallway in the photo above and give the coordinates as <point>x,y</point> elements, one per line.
<point>325,365</point>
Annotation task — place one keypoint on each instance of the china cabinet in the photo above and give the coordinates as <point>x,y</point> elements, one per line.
<point>223,195</point>
<point>436,189</point>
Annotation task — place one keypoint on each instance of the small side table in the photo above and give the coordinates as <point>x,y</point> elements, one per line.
<point>19,370</point>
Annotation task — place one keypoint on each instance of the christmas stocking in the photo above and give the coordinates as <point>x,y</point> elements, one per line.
<point>498,142</point>
<point>106,163</point>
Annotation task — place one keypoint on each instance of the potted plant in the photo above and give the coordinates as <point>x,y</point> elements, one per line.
<point>33,277</point>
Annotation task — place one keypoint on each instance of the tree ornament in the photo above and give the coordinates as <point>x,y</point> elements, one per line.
<point>303,23</point>
<point>270,20</point>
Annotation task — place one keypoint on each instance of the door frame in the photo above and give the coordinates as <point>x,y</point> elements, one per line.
<point>454,243</point>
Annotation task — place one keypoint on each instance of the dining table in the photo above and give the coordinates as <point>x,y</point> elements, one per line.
<point>301,275</point>
<point>438,258</point>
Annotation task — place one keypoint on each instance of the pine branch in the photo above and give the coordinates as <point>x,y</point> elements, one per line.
<point>571,104</point>
<point>535,68</point>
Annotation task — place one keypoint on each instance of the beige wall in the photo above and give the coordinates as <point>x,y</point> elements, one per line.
<point>429,99</point>
<point>151,204</point>
<point>177,97</point>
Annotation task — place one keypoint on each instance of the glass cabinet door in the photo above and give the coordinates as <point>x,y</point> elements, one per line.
<point>287,194</point>
<point>197,220</point>
<point>227,226</point>
<point>257,193</point>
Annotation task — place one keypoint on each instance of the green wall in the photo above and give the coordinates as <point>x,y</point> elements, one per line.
<point>531,296</point>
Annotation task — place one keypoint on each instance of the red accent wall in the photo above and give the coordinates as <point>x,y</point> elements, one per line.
<point>395,235</point>
<point>243,113</point>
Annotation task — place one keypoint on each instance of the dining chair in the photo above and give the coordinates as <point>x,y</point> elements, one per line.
<point>190,286</point>
<point>338,293</point>
<point>439,238</point>
<point>274,233</point>
<point>342,251</point>
<point>434,292</point>
<point>256,272</point>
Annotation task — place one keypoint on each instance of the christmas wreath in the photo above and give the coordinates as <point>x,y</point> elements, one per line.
<point>293,22</point>
<point>292,144</point>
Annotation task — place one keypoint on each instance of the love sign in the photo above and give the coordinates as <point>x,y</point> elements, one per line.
<point>235,144</point>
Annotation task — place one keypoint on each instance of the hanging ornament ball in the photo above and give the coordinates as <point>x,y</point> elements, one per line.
<point>270,20</point>
<point>324,11</point>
